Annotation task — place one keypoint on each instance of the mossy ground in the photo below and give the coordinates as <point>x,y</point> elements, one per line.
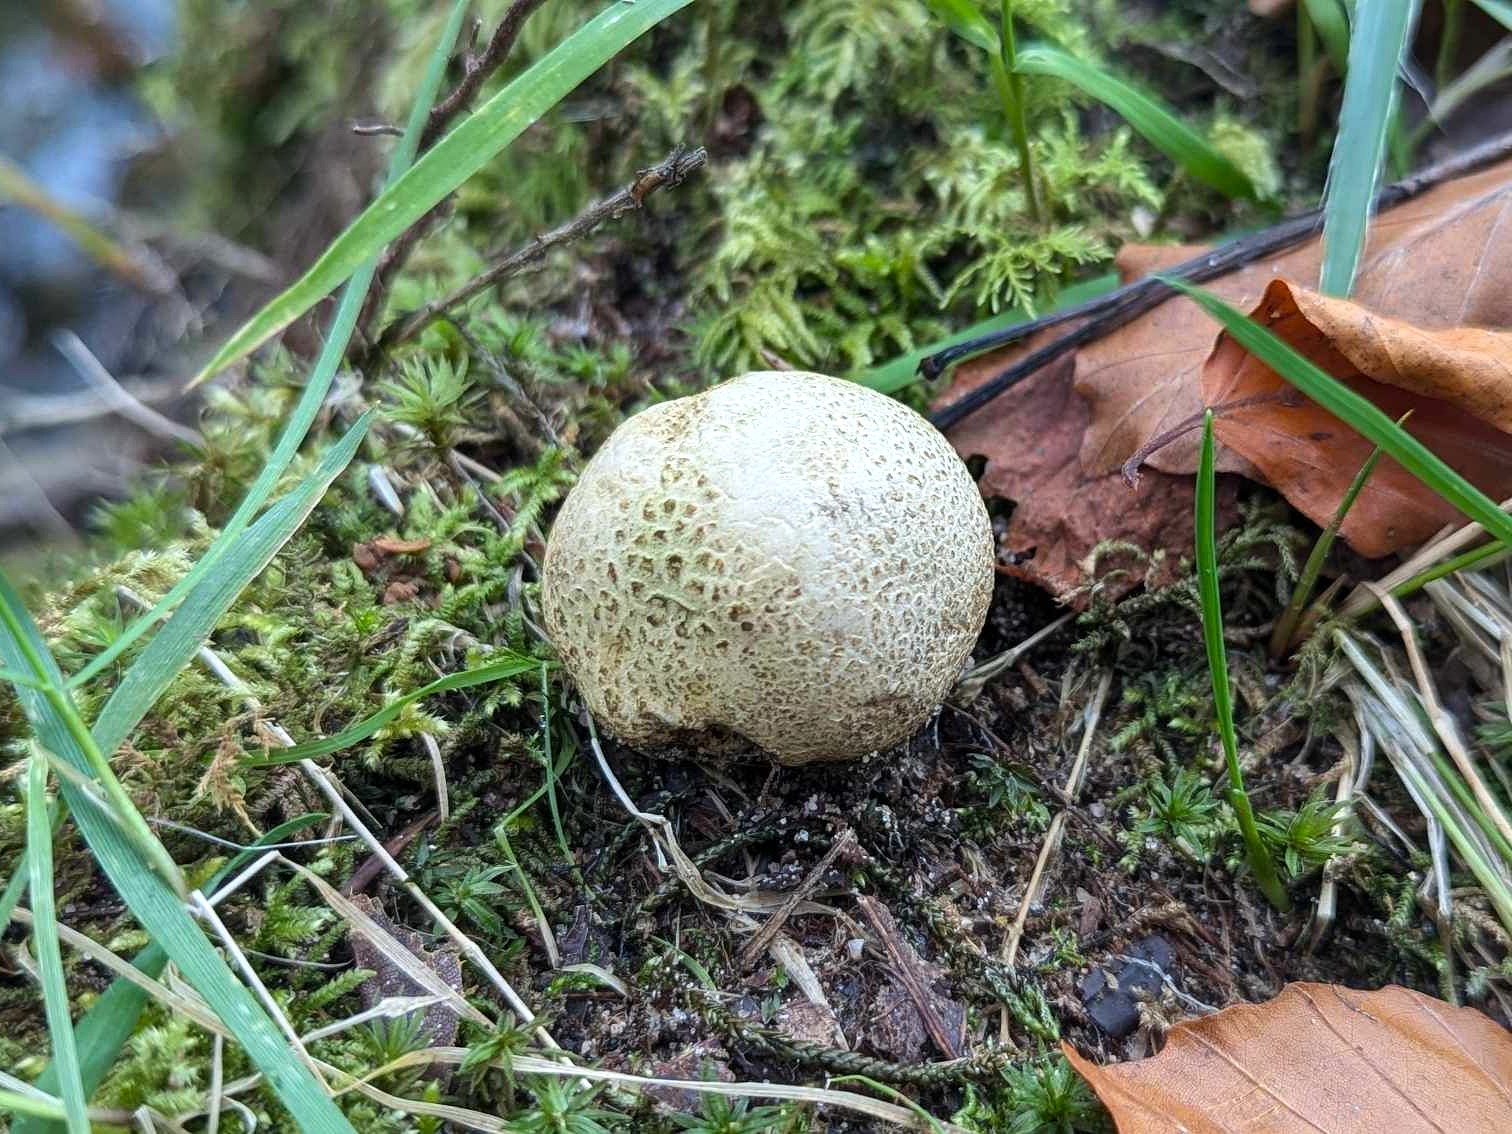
<point>860,200</point>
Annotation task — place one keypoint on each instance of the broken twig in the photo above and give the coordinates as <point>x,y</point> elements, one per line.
<point>670,171</point>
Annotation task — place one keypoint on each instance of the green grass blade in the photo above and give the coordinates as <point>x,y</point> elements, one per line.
<point>103,1030</point>
<point>966,20</point>
<point>455,158</point>
<point>1359,412</point>
<point>1307,580</point>
<point>1259,858</point>
<point>17,1103</point>
<point>903,371</point>
<point>1381,34</point>
<point>1152,118</point>
<point>319,384</point>
<point>1498,10</point>
<point>192,623</point>
<point>146,893</point>
<point>1331,22</point>
<point>15,677</point>
<point>39,855</point>
<point>511,666</point>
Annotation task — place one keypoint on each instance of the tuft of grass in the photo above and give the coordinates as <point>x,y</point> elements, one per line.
<point>466,149</point>
<point>1157,122</point>
<point>1260,863</point>
<point>135,867</point>
<point>104,1030</point>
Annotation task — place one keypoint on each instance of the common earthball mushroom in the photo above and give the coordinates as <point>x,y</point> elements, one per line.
<point>787,561</point>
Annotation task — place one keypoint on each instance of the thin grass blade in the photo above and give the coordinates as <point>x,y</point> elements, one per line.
<point>147,895</point>
<point>1153,119</point>
<point>43,1107</point>
<point>1286,625</point>
<point>511,666</point>
<point>455,158</point>
<point>1357,411</point>
<point>192,623</point>
<point>1331,21</point>
<point>102,1031</point>
<point>49,956</point>
<point>1498,10</point>
<point>966,20</point>
<point>319,383</point>
<point>1259,858</point>
<point>1377,46</point>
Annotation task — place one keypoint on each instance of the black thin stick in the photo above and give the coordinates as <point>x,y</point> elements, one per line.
<point>1123,305</point>
<point>670,171</point>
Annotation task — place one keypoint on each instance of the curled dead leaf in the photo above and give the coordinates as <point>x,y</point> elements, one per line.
<point>1456,381</point>
<point>1033,437</point>
<point>1318,1057</point>
<point>1442,259</point>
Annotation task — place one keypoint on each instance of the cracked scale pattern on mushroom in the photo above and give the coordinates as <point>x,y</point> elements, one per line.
<point>786,560</point>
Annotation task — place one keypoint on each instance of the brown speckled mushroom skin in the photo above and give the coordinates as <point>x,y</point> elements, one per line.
<point>786,560</point>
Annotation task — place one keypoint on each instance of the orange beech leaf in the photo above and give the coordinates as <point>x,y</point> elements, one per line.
<point>1319,1057</point>
<point>1032,436</point>
<point>1457,382</point>
<point>1442,259</point>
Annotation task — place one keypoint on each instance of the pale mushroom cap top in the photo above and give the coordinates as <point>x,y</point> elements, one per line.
<point>786,558</point>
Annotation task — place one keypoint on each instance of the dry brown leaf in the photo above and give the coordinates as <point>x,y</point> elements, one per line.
<point>1318,1057</point>
<point>393,545</point>
<point>1032,436</point>
<point>1457,382</point>
<point>1442,259</point>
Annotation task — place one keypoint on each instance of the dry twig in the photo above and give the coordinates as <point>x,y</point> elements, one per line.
<point>1057,826</point>
<point>908,971</point>
<point>672,170</point>
<point>475,72</point>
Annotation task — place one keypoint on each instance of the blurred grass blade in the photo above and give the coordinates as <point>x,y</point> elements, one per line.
<point>511,666</point>
<point>15,677</point>
<point>1157,122</point>
<point>1498,10</point>
<point>967,21</point>
<point>1260,863</point>
<point>39,855</point>
<point>102,1031</point>
<point>1379,41</point>
<point>156,907</point>
<point>137,267</point>
<point>319,383</point>
<point>455,158</point>
<point>192,623</point>
<point>1331,21</point>
<point>1366,418</point>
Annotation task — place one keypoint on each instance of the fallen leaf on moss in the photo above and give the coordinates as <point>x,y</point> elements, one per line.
<point>1318,1057</point>
<point>1032,436</point>
<point>1442,259</point>
<point>1456,381</point>
<point>393,545</point>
